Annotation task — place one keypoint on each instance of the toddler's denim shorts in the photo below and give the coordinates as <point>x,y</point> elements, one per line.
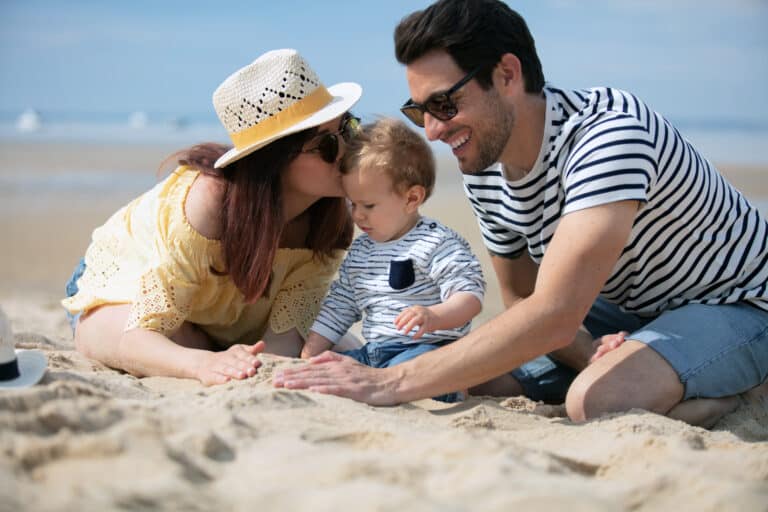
<point>385,354</point>
<point>716,350</point>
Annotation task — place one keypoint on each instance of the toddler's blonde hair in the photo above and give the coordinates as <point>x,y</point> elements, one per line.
<point>390,146</point>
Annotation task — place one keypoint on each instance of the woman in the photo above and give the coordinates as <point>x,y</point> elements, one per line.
<point>236,245</point>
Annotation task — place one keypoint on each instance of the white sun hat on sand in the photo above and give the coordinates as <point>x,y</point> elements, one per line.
<point>18,368</point>
<point>276,95</point>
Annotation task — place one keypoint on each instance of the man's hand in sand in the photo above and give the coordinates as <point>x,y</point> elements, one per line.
<point>335,374</point>
<point>237,362</point>
<point>607,343</point>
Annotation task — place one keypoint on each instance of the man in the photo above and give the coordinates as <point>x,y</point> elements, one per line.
<point>596,212</point>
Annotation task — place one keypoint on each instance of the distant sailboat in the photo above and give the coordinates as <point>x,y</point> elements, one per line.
<point>138,120</point>
<point>178,123</point>
<point>29,121</point>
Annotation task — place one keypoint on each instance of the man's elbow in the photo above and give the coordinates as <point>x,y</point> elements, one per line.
<point>562,326</point>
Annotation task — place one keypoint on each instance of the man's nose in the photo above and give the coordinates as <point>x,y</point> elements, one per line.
<point>433,127</point>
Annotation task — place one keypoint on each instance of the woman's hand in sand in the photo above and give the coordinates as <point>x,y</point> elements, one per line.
<point>334,374</point>
<point>416,316</point>
<point>607,343</point>
<point>237,362</point>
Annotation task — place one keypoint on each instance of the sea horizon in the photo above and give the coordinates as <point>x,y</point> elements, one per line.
<point>722,141</point>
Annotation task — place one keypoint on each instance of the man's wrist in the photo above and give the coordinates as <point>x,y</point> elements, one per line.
<point>399,379</point>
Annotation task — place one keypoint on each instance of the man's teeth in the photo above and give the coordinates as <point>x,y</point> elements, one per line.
<point>458,142</point>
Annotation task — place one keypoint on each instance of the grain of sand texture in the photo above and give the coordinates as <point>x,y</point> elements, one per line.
<point>91,438</point>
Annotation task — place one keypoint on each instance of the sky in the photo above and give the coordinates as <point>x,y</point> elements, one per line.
<point>704,61</point>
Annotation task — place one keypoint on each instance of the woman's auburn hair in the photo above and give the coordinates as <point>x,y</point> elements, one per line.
<point>252,219</point>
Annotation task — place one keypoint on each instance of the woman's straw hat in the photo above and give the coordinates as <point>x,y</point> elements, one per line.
<point>276,95</point>
<point>18,368</point>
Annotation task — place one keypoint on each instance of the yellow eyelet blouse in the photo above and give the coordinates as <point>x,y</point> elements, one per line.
<point>148,255</point>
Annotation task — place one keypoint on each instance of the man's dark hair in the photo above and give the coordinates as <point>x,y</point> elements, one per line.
<point>474,33</point>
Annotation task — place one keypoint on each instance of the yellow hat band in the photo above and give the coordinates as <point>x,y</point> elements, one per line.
<point>289,116</point>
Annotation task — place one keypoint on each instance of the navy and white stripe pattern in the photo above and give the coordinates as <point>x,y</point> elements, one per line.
<point>443,264</point>
<point>695,239</point>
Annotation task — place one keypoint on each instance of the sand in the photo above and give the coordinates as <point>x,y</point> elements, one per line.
<point>91,438</point>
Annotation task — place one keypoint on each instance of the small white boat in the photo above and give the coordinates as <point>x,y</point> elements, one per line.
<point>138,120</point>
<point>29,121</point>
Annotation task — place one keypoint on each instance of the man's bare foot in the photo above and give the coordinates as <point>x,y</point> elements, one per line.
<point>704,412</point>
<point>758,394</point>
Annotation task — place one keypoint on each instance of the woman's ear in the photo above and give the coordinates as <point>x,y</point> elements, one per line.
<point>414,196</point>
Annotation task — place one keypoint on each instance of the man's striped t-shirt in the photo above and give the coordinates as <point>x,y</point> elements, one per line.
<point>695,239</point>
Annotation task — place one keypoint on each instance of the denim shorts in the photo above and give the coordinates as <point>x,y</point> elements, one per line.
<point>716,350</point>
<point>71,289</point>
<point>390,353</point>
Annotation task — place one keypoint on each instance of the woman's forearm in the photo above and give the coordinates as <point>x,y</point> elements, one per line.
<point>146,353</point>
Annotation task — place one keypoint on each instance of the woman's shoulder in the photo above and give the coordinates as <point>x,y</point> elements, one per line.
<point>203,205</point>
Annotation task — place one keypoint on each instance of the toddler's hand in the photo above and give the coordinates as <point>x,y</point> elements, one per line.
<point>314,345</point>
<point>607,343</point>
<point>237,362</point>
<point>416,316</point>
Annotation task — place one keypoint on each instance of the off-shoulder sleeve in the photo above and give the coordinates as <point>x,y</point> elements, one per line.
<point>298,300</point>
<point>163,300</point>
<point>172,284</point>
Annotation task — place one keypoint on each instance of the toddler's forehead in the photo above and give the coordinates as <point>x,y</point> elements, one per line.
<point>369,176</point>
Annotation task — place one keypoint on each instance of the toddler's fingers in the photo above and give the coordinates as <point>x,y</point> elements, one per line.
<point>413,323</point>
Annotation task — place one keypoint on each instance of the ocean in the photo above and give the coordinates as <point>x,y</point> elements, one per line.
<point>721,142</point>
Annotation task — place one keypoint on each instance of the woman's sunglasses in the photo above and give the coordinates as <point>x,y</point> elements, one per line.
<point>439,105</point>
<point>328,144</point>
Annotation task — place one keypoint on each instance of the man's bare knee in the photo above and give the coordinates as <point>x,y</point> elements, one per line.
<point>574,400</point>
<point>587,399</point>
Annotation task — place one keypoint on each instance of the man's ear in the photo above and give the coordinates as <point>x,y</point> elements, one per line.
<point>415,196</point>
<point>510,72</point>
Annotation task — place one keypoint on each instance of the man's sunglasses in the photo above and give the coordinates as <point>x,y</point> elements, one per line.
<point>439,105</point>
<point>328,144</point>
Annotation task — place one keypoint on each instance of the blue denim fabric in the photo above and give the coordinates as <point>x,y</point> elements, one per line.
<point>716,350</point>
<point>71,289</point>
<point>544,379</point>
<point>387,354</point>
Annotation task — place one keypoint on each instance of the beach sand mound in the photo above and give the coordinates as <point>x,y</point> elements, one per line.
<point>91,438</point>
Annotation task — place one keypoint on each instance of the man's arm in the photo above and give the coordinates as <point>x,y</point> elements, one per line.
<point>578,261</point>
<point>516,276</point>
